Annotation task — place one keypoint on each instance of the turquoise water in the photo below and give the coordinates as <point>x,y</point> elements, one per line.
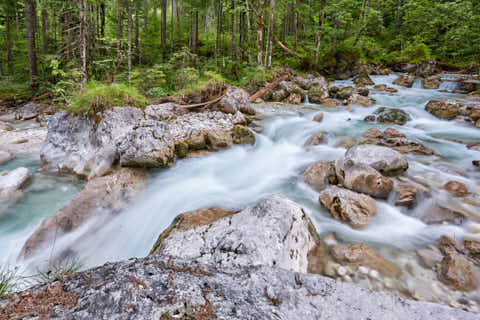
<point>43,195</point>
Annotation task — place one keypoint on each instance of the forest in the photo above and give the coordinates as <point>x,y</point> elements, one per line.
<point>53,49</point>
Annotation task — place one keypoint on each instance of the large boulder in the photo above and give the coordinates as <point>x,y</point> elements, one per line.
<point>100,196</point>
<point>351,207</point>
<point>389,115</point>
<point>405,80</point>
<point>279,95</point>
<point>129,136</point>
<point>345,93</point>
<point>236,99</point>
<point>364,179</point>
<point>432,82</point>
<point>292,88</point>
<point>320,174</point>
<point>81,146</point>
<point>363,79</point>
<point>457,272</point>
<point>442,109</point>
<point>318,92</point>
<point>273,232</point>
<point>361,100</point>
<point>27,111</point>
<point>385,160</point>
<point>162,287</point>
<point>427,69</point>
<point>5,156</point>
<point>11,182</point>
<point>394,139</point>
<point>360,255</point>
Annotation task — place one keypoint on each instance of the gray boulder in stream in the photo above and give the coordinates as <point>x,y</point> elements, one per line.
<point>84,147</point>
<point>389,115</point>
<point>385,160</point>
<point>11,182</point>
<point>274,231</point>
<point>354,208</point>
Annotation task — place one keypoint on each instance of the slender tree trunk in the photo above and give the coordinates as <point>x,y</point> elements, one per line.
<point>397,18</point>
<point>8,44</point>
<point>145,14</point>
<point>44,27</point>
<point>30,26</point>
<point>173,27</point>
<point>164,29</point>
<point>335,33</point>
<point>260,33</point>
<point>102,20</point>
<point>195,30</point>
<point>219,32</point>
<point>242,35</point>
<point>249,38</point>
<point>83,43</point>
<point>295,24</point>
<point>155,8</point>
<point>119,31</point>
<point>234,30</point>
<point>137,32</point>
<point>129,10</point>
<point>17,19</point>
<point>271,27</point>
<point>319,31</point>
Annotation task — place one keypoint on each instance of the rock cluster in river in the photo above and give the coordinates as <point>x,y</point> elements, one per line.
<point>455,109</point>
<point>135,138</point>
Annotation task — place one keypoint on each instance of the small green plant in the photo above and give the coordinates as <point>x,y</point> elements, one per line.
<point>100,97</point>
<point>57,270</point>
<point>8,281</point>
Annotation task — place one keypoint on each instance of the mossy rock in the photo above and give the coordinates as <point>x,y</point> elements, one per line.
<point>181,149</point>
<point>189,220</point>
<point>243,135</point>
<point>389,115</point>
<point>197,141</point>
<point>219,139</point>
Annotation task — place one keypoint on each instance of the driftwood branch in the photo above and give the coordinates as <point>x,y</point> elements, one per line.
<point>268,88</point>
<point>203,104</point>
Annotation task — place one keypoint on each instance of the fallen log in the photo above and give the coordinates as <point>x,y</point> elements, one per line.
<point>267,89</point>
<point>203,104</point>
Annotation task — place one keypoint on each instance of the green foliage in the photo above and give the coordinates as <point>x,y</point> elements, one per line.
<point>57,270</point>
<point>414,53</point>
<point>8,281</point>
<point>100,97</point>
<point>15,90</point>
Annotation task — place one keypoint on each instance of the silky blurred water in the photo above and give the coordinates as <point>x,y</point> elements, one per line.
<point>239,176</point>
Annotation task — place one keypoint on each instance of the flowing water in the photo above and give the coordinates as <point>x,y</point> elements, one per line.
<point>239,176</point>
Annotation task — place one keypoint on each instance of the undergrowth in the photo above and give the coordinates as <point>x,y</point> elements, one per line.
<point>99,97</point>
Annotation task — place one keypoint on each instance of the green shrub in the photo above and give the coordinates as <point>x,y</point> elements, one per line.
<point>414,53</point>
<point>99,97</point>
<point>14,90</point>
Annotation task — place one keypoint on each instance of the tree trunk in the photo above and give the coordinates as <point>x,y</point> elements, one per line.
<point>397,18</point>
<point>145,14</point>
<point>102,20</point>
<point>242,35</point>
<point>155,8</point>
<point>30,26</point>
<point>119,32</point>
<point>260,33</point>
<point>83,43</point>
<point>137,32</point>
<point>234,30</point>
<point>164,30</point>
<point>271,27</point>
<point>44,28</point>
<point>8,44</point>
<point>195,30</point>
<point>335,33</point>
<point>129,10</point>
<point>295,24</point>
<point>219,32</point>
<point>173,27</point>
<point>249,38</point>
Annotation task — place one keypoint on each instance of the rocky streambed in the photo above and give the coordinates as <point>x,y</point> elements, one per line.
<point>380,189</point>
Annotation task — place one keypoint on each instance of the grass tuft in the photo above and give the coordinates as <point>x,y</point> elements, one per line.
<point>100,97</point>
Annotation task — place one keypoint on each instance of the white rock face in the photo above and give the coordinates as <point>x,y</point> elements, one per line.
<point>125,135</point>
<point>385,160</point>
<point>10,184</point>
<point>274,232</point>
<point>5,156</point>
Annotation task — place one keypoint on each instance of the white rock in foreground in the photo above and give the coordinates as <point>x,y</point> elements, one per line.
<point>274,231</point>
